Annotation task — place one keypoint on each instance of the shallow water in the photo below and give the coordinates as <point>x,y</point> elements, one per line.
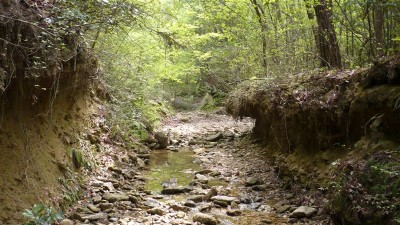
<point>167,166</point>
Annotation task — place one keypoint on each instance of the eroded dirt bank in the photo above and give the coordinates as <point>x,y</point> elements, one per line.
<point>337,132</point>
<point>213,173</point>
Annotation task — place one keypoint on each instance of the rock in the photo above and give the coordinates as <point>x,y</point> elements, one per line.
<point>152,203</point>
<point>197,198</point>
<point>261,187</point>
<point>105,206</point>
<point>211,193</point>
<point>234,212</point>
<point>162,139</point>
<point>303,211</point>
<point>205,219</point>
<point>283,208</point>
<point>140,163</point>
<point>214,137</point>
<point>97,199</point>
<point>144,156</point>
<point>203,179</point>
<point>109,187</point>
<point>180,214</point>
<point>190,204</point>
<point>199,150</point>
<point>180,208</point>
<point>115,197</point>
<point>251,181</point>
<point>221,203</point>
<point>156,211</point>
<point>133,199</point>
<point>215,173</point>
<point>93,208</point>
<point>205,171</point>
<point>175,190</point>
<point>205,207</point>
<point>92,217</point>
<point>67,222</point>
<point>222,198</point>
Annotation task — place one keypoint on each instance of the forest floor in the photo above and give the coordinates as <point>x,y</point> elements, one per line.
<point>213,173</point>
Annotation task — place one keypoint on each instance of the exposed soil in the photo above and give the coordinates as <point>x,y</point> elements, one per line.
<point>214,173</point>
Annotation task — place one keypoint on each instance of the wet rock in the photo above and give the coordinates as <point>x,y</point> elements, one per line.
<point>67,222</point>
<point>222,198</point>
<point>162,139</point>
<point>93,208</point>
<point>175,190</point>
<point>144,156</point>
<point>214,137</point>
<point>303,211</point>
<point>156,211</point>
<point>115,197</point>
<point>205,219</point>
<point>234,212</point>
<point>190,204</point>
<point>194,142</point>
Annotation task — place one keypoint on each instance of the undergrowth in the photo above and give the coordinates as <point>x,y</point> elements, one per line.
<point>368,192</point>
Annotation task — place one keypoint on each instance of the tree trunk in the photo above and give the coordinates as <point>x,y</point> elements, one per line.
<point>327,44</point>
<point>260,12</point>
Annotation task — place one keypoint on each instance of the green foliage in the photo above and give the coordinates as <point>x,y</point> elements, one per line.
<point>368,193</point>
<point>42,215</point>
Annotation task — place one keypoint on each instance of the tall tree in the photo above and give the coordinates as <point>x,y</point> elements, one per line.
<point>260,12</point>
<point>326,41</point>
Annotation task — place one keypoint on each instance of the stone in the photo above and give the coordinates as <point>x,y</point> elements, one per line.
<point>205,219</point>
<point>203,179</point>
<point>93,217</point>
<point>180,215</point>
<point>93,208</point>
<point>205,207</point>
<point>261,187</point>
<point>221,203</point>
<point>234,212</point>
<point>162,139</point>
<point>156,211</point>
<point>283,208</point>
<point>303,211</point>
<point>222,198</point>
<point>199,150</point>
<point>115,197</point>
<point>109,186</point>
<point>133,199</point>
<point>105,206</point>
<point>177,207</point>
<point>215,173</point>
<point>67,222</point>
<point>175,190</point>
<point>190,204</point>
<point>251,181</point>
<point>152,203</point>
<point>197,198</point>
<point>214,137</point>
<point>97,199</point>
<point>140,163</point>
<point>205,171</point>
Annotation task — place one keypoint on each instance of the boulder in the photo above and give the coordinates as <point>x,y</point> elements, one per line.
<point>205,219</point>
<point>303,211</point>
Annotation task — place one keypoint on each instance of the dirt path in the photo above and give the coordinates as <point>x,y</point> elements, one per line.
<point>213,173</point>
